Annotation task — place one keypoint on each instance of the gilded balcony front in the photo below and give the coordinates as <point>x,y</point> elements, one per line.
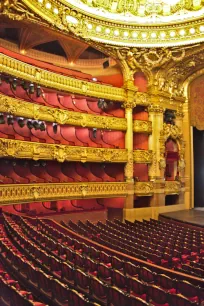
<point>143,188</point>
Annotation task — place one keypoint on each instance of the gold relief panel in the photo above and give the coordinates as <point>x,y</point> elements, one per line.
<point>38,112</point>
<point>142,126</point>
<point>172,187</point>
<point>143,188</point>
<point>24,193</point>
<point>142,156</point>
<point>61,153</point>
<point>59,82</point>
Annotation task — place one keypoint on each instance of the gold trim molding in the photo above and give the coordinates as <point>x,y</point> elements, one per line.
<point>61,153</point>
<point>142,156</point>
<point>142,126</point>
<point>30,110</point>
<point>70,18</point>
<point>24,193</point>
<point>172,187</point>
<point>144,188</point>
<point>59,82</point>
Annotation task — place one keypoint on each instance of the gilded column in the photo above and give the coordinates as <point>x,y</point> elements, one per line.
<point>156,169</point>
<point>129,105</point>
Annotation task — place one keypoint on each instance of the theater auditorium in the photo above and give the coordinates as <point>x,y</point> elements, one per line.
<point>101,153</point>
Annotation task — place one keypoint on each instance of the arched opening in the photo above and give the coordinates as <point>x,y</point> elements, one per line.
<point>172,155</point>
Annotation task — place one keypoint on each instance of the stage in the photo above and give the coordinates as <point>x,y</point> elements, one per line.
<point>193,217</point>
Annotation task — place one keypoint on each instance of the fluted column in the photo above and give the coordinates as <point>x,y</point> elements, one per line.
<point>129,165</point>
<point>156,117</point>
<point>156,169</point>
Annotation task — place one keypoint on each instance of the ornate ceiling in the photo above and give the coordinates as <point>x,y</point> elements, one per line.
<point>127,23</point>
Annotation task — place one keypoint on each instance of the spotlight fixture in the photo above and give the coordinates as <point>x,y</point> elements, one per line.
<point>38,91</point>
<point>25,85</point>
<point>102,104</point>
<point>14,83</point>
<point>21,122</point>
<point>31,89</point>
<point>94,132</point>
<point>54,126</point>
<point>42,126</point>
<point>30,124</point>
<point>36,125</point>
<point>2,120</point>
<point>10,120</point>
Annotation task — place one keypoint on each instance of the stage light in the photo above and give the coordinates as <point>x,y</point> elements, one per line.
<point>36,125</point>
<point>29,124</point>
<point>38,91</point>
<point>42,126</point>
<point>10,120</point>
<point>54,126</point>
<point>2,120</point>
<point>25,85</point>
<point>21,122</point>
<point>14,84</point>
<point>94,132</point>
<point>31,89</point>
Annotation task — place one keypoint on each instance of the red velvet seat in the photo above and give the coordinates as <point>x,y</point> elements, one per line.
<point>82,281</point>
<point>157,296</point>
<point>60,293</point>
<point>138,288</point>
<point>188,290</point>
<point>120,280</point>
<point>180,300</point>
<point>98,290</point>
<point>104,273</point>
<point>147,275</point>
<point>166,283</point>
<point>68,273</point>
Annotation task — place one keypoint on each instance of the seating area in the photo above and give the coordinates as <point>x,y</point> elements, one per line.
<point>21,171</point>
<point>57,262</point>
<point>169,245</point>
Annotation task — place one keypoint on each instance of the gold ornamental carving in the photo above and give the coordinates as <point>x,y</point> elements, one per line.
<point>18,107</point>
<point>142,98</point>
<point>172,187</point>
<point>61,153</point>
<point>142,126</point>
<point>142,156</point>
<point>24,193</point>
<point>153,108</point>
<point>50,79</point>
<point>144,188</point>
<point>171,131</point>
<point>129,167</point>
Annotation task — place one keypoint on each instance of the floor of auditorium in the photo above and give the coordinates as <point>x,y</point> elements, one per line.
<point>194,217</point>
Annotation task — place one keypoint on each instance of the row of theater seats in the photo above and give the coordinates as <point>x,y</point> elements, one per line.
<point>153,241</point>
<point>85,261</point>
<point>62,101</point>
<point>29,171</point>
<point>62,134</point>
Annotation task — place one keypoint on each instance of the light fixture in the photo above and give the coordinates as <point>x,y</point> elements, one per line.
<point>42,126</point>
<point>48,5</point>
<point>2,120</point>
<point>29,124</point>
<point>10,120</point>
<point>116,32</point>
<point>89,26</point>
<point>21,122</point>
<point>134,34</point>
<point>31,88</point>
<point>94,79</point>
<point>192,30</point>
<point>14,84</point>
<point>38,91</point>
<point>98,29</point>
<point>94,132</point>
<point>54,126</point>
<point>107,31</point>
<point>36,125</point>
<point>55,10</point>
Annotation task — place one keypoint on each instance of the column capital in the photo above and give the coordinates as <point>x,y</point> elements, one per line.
<point>179,113</point>
<point>155,108</point>
<point>130,98</point>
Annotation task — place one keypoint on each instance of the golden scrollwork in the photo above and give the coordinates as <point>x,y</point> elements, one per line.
<point>129,167</point>
<point>142,126</point>
<point>142,156</point>
<point>153,108</point>
<point>58,81</point>
<point>171,131</point>
<point>142,98</point>
<point>61,153</point>
<point>30,110</point>
<point>23,193</point>
<point>144,188</point>
<point>172,187</point>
